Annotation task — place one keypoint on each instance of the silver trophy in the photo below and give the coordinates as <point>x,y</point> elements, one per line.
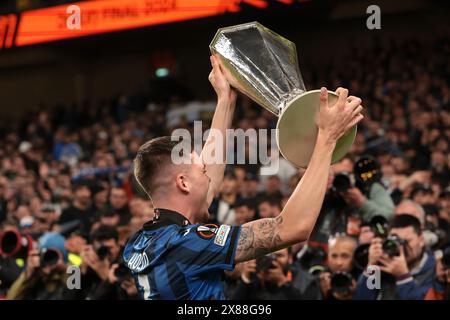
<point>263,65</point>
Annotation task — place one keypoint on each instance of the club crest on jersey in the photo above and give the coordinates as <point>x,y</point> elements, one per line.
<point>207,231</point>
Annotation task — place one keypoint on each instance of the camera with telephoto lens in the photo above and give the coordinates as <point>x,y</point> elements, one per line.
<point>265,262</point>
<point>102,252</point>
<point>49,257</point>
<point>342,182</point>
<point>391,245</point>
<point>341,282</point>
<point>15,244</point>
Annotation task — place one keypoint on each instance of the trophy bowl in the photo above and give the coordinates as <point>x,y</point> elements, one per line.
<point>297,130</point>
<point>263,65</point>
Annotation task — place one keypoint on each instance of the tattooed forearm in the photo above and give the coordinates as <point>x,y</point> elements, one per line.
<point>258,238</point>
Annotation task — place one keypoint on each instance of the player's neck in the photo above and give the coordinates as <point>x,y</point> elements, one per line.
<point>181,207</point>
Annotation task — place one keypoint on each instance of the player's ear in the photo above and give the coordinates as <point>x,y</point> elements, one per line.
<point>182,183</point>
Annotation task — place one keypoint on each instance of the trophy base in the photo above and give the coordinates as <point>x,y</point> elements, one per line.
<point>297,130</point>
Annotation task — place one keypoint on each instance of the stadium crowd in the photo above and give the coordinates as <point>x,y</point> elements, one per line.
<point>68,197</point>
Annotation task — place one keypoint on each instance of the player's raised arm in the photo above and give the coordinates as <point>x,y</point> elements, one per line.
<point>223,116</point>
<point>296,221</point>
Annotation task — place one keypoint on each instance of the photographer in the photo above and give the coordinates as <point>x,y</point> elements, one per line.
<point>98,258</point>
<point>352,199</point>
<point>337,282</point>
<point>12,256</point>
<point>367,194</point>
<point>118,286</point>
<point>267,278</point>
<point>408,270</point>
<point>44,277</point>
<point>414,209</point>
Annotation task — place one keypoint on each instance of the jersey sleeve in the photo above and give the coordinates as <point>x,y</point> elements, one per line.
<point>205,247</point>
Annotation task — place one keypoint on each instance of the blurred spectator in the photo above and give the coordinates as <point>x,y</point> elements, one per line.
<point>100,196</point>
<point>68,150</point>
<point>119,203</point>
<point>50,213</point>
<point>222,208</point>
<point>141,216</point>
<point>251,185</point>
<point>108,217</point>
<point>422,194</point>
<point>80,210</point>
<point>412,208</point>
<point>273,187</point>
<point>269,207</point>
<point>244,212</point>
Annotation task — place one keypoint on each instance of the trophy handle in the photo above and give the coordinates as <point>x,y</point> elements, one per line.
<point>297,130</point>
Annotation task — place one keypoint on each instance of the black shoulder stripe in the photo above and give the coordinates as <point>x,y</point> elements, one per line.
<point>232,244</point>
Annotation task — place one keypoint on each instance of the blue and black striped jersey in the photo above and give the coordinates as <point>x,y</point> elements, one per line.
<point>173,259</point>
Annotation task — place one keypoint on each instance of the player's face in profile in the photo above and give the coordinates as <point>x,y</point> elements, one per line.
<point>201,183</point>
